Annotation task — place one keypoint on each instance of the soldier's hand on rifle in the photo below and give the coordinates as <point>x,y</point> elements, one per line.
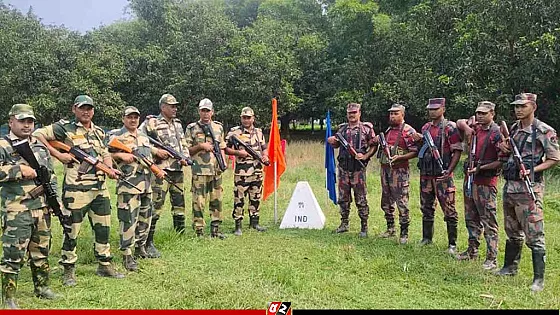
<point>396,158</point>
<point>241,153</point>
<point>114,174</point>
<point>206,146</point>
<point>376,139</point>
<point>127,158</point>
<point>471,170</point>
<point>162,154</point>
<point>416,136</point>
<point>162,174</point>
<point>332,140</point>
<point>505,147</point>
<point>444,176</point>
<point>65,158</point>
<point>27,172</point>
<point>524,174</point>
<point>265,158</point>
<point>184,162</point>
<point>360,156</point>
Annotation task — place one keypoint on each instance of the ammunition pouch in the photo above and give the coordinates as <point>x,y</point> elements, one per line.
<point>349,164</point>
<point>429,166</point>
<point>511,171</point>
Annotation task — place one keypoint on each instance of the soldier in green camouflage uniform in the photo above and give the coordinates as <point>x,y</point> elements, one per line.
<point>84,190</point>
<point>167,128</point>
<point>134,207</point>
<point>524,217</point>
<point>248,178</point>
<point>26,221</point>
<point>206,175</point>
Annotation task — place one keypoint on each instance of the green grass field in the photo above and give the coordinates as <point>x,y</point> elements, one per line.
<point>314,269</point>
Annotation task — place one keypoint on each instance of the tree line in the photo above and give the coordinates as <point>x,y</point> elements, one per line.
<point>313,55</point>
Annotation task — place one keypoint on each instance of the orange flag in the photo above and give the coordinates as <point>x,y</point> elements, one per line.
<point>275,155</point>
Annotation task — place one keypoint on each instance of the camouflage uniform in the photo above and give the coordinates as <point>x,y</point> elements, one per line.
<point>447,140</point>
<point>26,222</point>
<point>523,217</point>
<point>84,191</point>
<point>134,207</point>
<point>351,176</point>
<point>395,180</point>
<point>169,133</point>
<point>480,206</point>
<point>206,176</point>
<point>248,177</point>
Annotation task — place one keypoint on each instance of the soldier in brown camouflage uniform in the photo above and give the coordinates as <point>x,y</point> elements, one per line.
<point>206,175</point>
<point>84,190</point>
<point>351,175</point>
<point>436,182</point>
<point>524,217</point>
<point>26,221</point>
<point>167,129</point>
<point>134,207</point>
<point>395,178</point>
<point>480,194</point>
<point>248,178</point>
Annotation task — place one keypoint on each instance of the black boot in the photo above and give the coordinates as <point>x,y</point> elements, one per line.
<point>9,287</point>
<point>511,259</point>
<point>152,251</point>
<point>427,232</point>
<point>452,238</point>
<point>538,270</point>
<point>404,234</point>
<point>140,252</point>
<point>69,276</point>
<point>40,276</point>
<point>343,227</point>
<point>364,229</point>
<point>254,224</point>
<point>471,253</point>
<point>129,263</point>
<point>390,230</point>
<point>238,225</point>
<point>179,223</point>
<point>215,231</point>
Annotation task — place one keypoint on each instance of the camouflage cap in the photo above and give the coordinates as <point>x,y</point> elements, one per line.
<point>168,99</point>
<point>82,100</point>
<point>353,107</point>
<point>130,110</point>
<point>396,107</point>
<point>485,106</point>
<point>524,98</point>
<point>435,103</point>
<point>205,104</point>
<point>247,111</point>
<point>22,111</point>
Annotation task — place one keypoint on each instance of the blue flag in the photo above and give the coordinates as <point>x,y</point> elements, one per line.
<point>329,162</point>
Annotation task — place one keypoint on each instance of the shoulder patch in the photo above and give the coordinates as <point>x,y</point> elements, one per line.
<point>235,128</point>
<point>368,124</point>
<point>191,125</point>
<point>64,121</point>
<point>219,123</point>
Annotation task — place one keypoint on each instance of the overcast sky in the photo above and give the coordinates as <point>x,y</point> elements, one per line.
<point>78,15</point>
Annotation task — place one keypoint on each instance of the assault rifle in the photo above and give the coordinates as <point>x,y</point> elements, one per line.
<point>433,148</point>
<point>43,182</point>
<point>216,150</point>
<point>238,143</point>
<point>385,147</point>
<point>470,178</point>
<point>174,153</point>
<point>116,144</point>
<point>348,147</point>
<point>518,160</point>
<point>82,157</point>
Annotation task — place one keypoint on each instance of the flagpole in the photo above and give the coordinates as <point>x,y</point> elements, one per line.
<point>275,197</point>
